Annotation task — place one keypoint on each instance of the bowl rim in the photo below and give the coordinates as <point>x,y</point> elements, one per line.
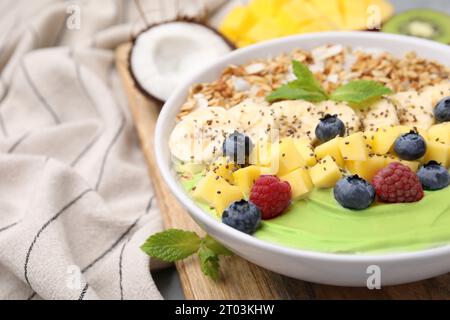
<point>217,226</point>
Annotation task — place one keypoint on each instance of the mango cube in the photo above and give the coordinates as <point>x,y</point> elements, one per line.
<point>306,152</point>
<point>289,19</point>
<point>330,148</point>
<point>385,137</point>
<point>440,133</point>
<point>332,10</point>
<point>413,165</point>
<point>208,186</point>
<point>225,196</point>
<point>353,147</point>
<point>224,168</point>
<point>265,8</point>
<point>300,181</point>
<point>368,168</point>
<point>438,152</point>
<point>237,22</point>
<point>264,30</point>
<point>325,173</point>
<point>245,178</point>
<point>368,139</point>
<point>288,156</point>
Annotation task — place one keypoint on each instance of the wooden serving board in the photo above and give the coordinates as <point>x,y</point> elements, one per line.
<point>242,279</point>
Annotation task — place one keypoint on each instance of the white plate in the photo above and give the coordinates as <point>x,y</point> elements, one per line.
<point>327,268</point>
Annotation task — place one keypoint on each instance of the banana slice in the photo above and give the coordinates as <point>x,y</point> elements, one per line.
<point>344,112</point>
<point>414,109</point>
<point>295,118</point>
<point>199,136</point>
<point>437,92</point>
<point>255,120</point>
<point>380,113</point>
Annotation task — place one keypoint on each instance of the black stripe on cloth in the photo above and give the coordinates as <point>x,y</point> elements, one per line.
<point>147,210</point>
<point>85,150</point>
<point>113,141</point>
<point>5,89</point>
<point>18,142</point>
<point>30,249</point>
<point>81,80</point>
<point>100,257</point>
<point>120,269</point>
<point>9,226</point>
<point>2,125</point>
<point>38,94</point>
<point>32,296</point>
<point>83,292</point>
<point>61,33</point>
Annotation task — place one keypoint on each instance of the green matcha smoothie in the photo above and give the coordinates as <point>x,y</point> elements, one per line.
<point>319,223</point>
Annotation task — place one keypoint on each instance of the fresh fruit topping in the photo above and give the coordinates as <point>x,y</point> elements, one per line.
<point>271,195</point>
<point>237,147</point>
<point>442,110</point>
<point>410,146</point>
<point>368,168</point>
<point>330,148</point>
<point>329,127</point>
<point>325,173</point>
<point>397,183</point>
<point>243,216</point>
<point>440,133</point>
<point>414,108</point>
<point>245,178</point>
<point>216,192</point>
<point>300,182</point>
<point>354,193</point>
<point>353,147</point>
<point>423,23</point>
<point>384,138</point>
<point>433,176</point>
<point>289,157</point>
<point>439,152</point>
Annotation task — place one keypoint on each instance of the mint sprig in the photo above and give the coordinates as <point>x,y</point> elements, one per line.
<point>360,91</point>
<point>307,87</point>
<point>175,244</point>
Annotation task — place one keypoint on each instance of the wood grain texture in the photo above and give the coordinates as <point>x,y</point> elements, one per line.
<point>242,279</point>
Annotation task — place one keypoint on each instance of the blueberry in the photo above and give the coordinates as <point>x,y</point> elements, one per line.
<point>410,146</point>
<point>433,176</point>
<point>329,127</point>
<point>442,110</point>
<point>237,146</point>
<point>354,193</point>
<point>242,215</point>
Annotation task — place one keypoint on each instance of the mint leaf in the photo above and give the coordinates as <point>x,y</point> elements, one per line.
<point>172,245</point>
<point>305,77</point>
<point>215,246</point>
<point>209,262</point>
<point>306,87</point>
<point>296,91</point>
<point>359,91</point>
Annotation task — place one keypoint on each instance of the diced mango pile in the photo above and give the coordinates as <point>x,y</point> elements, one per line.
<point>267,19</point>
<point>306,167</point>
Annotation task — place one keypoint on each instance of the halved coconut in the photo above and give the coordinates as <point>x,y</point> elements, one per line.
<point>165,54</point>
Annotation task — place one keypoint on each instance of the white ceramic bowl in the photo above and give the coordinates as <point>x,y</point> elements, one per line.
<point>327,268</point>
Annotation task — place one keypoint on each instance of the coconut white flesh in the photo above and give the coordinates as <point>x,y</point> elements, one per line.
<point>167,54</point>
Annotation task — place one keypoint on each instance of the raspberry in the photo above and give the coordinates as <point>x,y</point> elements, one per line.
<point>271,195</point>
<point>397,183</point>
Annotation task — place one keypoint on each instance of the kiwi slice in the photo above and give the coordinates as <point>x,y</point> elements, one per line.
<point>423,23</point>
